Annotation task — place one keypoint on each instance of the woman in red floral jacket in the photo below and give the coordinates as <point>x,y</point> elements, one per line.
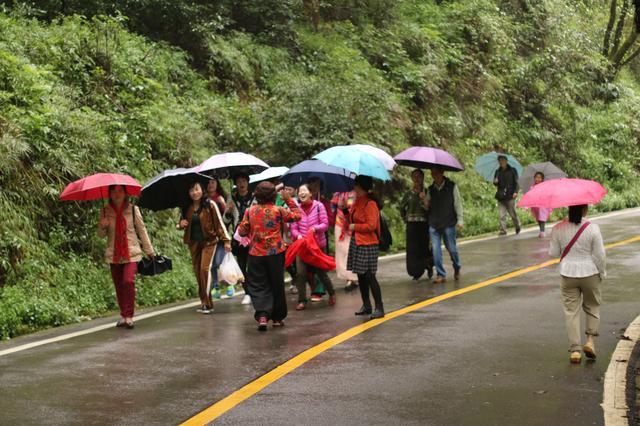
<point>264,223</point>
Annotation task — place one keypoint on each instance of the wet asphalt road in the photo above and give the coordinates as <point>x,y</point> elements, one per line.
<point>492,356</point>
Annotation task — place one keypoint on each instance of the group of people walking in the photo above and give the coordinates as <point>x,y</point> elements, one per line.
<point>258,226</point>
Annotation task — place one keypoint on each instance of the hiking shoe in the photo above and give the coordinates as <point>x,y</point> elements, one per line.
<point>589,348</point>
<point>332,300</point>
<point>575,357</point>
<point>378,313</point>
<point>231,291</point>
<point>262,324</point>
<point>201,309</point>
<point>246,300</point>
<point>316,298</point>
<point>440,280</point>
<point>216,294</point>
<point>206,311</point>
<point>364,310</point>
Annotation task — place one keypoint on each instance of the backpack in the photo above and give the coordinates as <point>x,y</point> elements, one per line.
<point>386,240</point>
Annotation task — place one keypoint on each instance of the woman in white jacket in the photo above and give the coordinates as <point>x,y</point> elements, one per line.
<point>582,267</point>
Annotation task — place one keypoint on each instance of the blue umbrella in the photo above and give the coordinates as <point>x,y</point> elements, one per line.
<point>334,179</point>
<point>487,165</point>
<point>355,160</point>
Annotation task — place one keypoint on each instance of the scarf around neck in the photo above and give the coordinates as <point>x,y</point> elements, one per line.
<point>120,241</point>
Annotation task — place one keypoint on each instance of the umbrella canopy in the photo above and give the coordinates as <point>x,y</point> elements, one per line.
<point>169,189</point>
<point>487,165</point>
<point>558,193</point>
<point>549,170</point>
<point>231,163</point>
<point>334,179</point>
<point>96,186</point>
<point>424,157</point>
<point>268,174</point>
<point>355,160</point>
<point>387,160</point>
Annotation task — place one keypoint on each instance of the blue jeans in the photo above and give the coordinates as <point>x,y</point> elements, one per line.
<point>216,262</point>
<point>449,236</point>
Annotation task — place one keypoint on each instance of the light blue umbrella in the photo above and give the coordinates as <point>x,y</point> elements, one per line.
<point>487,165</point>
<point>354,160</point>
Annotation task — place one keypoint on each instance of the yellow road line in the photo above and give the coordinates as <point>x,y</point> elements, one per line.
<point>247,391</point>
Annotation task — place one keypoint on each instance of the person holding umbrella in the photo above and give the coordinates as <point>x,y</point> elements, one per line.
<point>445,217</point>
<point>237,205</point>
<point>534,175</point>
<point>506,181</point>
<point>416,215</point>
<point>121,223</point>
<point>202,231</point>
<point>364,223</point>
<point>263,223</point>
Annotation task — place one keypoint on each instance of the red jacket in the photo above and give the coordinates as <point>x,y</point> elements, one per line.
<point>365,215</point>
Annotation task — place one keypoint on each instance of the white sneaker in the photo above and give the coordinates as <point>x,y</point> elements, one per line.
<point>246,300</point>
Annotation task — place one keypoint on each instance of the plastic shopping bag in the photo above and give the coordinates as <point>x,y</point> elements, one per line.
<point>229,271</point>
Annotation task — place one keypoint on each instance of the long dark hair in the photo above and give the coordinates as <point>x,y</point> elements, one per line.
<point>203,200</point>
<point>219,189</point>
<point>576,213</point>
<point>126,194</point>
<point>366,183</point>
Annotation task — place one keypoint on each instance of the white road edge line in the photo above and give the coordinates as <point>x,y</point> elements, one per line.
<point>192,304</point>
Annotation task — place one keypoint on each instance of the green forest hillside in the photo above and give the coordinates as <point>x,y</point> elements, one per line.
<point>87,86</point>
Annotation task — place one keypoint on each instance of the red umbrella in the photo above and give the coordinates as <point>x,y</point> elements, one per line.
<point>553,194</point>
<point>96,186</point>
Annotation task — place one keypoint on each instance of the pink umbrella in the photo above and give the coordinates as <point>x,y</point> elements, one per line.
<point>558,193</point>
<point>426,157</point>
<point>96,186</point>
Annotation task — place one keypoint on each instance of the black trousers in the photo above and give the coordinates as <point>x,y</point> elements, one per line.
<point>242,256</point>
<point>368,281</point>
<point>266,286</point>
<point>419,256</point>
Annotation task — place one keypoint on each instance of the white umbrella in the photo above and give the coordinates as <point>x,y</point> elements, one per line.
<point>268,174</point>
<point>386,159</point>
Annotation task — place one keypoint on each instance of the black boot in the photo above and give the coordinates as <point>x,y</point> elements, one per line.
<point>378,313</point>
<point>364,310</point>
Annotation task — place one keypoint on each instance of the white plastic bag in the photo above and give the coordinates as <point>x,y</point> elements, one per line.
<point>229,271</point>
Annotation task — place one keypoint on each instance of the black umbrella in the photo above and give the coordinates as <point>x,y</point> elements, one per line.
<point>170,189</point>
<point>548,169</point>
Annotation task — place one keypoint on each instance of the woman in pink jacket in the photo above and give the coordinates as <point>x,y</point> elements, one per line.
<point>315,220</point>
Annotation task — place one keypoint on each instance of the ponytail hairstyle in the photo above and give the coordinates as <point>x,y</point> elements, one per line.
<point>576,213</point>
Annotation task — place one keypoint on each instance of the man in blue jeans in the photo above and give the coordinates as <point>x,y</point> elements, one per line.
<point>445,217</point>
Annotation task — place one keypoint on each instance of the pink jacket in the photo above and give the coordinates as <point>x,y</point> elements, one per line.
<point>317,218</point>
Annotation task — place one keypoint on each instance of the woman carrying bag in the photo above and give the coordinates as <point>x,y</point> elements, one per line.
<point>582,267</point>
<point>123,251</point>
<point>203,228</point>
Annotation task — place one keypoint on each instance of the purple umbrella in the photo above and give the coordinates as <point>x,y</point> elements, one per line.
<point>426,157</point>
<point>231,163</point>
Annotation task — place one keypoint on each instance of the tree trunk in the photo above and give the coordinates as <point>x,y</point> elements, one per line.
<point>619,29</point>
<point>607,33</point>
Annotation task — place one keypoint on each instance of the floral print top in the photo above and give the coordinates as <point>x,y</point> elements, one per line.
<point>264,224</point>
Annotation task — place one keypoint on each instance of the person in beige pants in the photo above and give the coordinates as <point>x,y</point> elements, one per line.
<point>582,269</point>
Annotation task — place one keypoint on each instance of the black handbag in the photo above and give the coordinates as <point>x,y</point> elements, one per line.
<point>150,266</point>
<point>154,265</point>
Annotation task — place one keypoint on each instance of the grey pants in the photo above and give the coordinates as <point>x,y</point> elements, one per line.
<point>585,292</point>
<point>301,279</point>
<point>508,206</point>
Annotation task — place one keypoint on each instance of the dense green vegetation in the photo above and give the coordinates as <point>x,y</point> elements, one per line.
<point>153,84</point>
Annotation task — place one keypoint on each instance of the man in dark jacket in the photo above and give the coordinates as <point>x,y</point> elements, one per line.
<point>506,179</point>
<point>445,217</point>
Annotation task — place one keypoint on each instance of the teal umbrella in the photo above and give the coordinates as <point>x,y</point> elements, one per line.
<point>355,160</point>
<point>487,165</point>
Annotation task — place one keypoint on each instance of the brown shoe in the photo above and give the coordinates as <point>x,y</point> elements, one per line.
<point>440,280</point>
<point>589,348</point>
<point>456,275</point>
<point>575,357</point>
